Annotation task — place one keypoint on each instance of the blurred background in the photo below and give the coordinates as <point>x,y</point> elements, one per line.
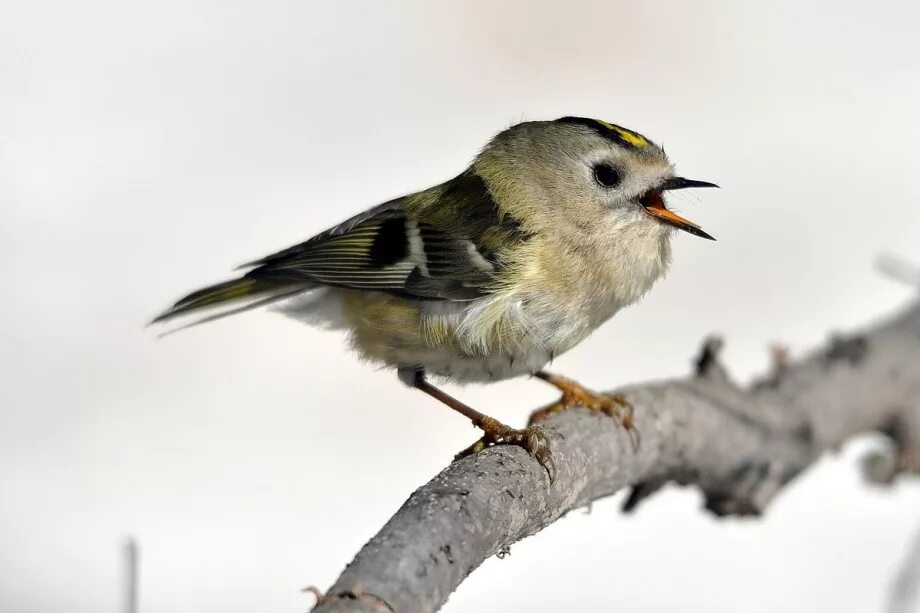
<point>147,148</point>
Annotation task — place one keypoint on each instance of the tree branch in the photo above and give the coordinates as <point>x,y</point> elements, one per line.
<point>738,445</point>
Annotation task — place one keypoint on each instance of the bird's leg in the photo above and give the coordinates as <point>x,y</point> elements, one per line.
<point>495,432</point>
<point>576,395</point>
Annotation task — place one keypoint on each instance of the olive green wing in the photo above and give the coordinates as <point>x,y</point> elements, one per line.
<point>440,244</point>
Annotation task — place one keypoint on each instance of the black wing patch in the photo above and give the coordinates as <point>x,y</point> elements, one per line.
<point>390,245</point>
<point>447,249</point>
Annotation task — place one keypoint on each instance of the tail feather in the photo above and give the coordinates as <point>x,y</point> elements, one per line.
<point>240,309</point>
<point>254,292</point>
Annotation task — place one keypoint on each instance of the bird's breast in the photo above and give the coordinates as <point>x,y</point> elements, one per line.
<point>568,291</point>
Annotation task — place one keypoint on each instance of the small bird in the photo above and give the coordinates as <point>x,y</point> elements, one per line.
<point>554,227</point>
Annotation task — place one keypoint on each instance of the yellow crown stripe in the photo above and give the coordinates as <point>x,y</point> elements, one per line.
<point>636,140</point>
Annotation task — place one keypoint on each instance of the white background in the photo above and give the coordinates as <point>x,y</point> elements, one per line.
<point>148,148</point>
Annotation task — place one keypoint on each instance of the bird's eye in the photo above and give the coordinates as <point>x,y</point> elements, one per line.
<point>606,175</point>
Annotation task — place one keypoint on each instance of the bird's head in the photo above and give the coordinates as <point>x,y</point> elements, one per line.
<point>579,170</point>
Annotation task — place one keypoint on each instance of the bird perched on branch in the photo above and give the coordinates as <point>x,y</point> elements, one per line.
<point>554,227</point>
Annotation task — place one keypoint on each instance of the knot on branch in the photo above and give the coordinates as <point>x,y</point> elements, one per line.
<point>779,364</point>
<point>640,491</point>
<point>355,595</point>
<point>749,489</point>
<point>882,467</point>
<point>850,349</point>
<point>779,368</point>
<point>707,365</point>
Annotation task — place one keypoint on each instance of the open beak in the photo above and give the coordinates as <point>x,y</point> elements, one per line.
<point>653,202</point>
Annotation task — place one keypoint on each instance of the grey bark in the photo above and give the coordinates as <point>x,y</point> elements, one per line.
<point>738,445</point>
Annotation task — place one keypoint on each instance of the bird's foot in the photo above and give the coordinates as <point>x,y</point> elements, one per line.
<point>532,439</point>
<point>576,395</point>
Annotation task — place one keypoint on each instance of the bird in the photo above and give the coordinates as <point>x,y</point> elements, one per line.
<point>552,229</point>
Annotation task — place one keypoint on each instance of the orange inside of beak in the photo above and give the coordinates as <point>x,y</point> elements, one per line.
<point>653,202</point>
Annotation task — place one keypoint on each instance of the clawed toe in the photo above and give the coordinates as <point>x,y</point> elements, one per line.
<point>575,395</point>
<point>532,439</point>
<point>622,410</point>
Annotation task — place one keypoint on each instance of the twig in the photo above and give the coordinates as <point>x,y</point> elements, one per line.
<point>131,568</point>
<point>906,585</point>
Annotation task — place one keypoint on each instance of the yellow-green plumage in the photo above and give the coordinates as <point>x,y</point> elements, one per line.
<point>490,274</point>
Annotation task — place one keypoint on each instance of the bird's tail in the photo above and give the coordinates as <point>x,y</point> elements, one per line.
<point>245,292</point>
